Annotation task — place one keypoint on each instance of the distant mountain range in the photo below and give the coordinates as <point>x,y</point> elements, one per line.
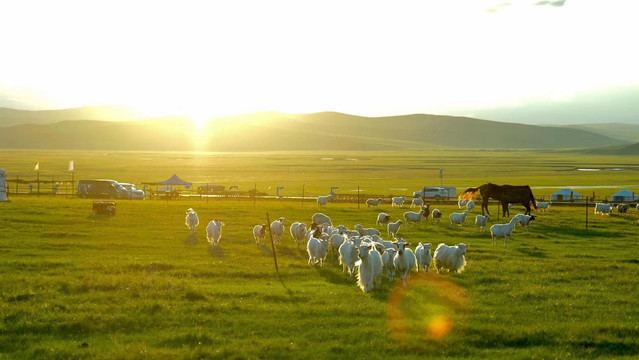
<point>119,129</point>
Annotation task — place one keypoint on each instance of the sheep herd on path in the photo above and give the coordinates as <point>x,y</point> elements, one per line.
<point>364,253</point>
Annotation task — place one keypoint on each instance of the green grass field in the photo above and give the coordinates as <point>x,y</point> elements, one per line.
<point>136,285</point>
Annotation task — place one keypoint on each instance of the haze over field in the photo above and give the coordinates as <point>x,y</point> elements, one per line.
<point>560,62</point>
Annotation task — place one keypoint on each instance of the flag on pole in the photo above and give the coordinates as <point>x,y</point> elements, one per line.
<point>37,167</point>
<point>70,165</point>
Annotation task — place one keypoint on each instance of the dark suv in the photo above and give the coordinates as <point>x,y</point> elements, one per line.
<point>100,189</point>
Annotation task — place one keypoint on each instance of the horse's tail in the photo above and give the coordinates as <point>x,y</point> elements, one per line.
<point>532,198</point>
<point>469,194</point>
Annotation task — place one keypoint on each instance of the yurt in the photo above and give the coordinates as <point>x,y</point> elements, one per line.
<point>565,195</point>
<point>624,195</point>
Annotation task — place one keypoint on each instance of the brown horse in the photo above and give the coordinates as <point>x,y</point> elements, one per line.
<point>502,193</point>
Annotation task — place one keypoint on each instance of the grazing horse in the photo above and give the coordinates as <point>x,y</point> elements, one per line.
<point>502,193</point>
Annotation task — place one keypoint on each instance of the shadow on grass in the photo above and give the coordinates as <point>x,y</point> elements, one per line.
<point>580,231</point>
<point>191,240</point>
<point>216,252</point>
<point>533,252</point>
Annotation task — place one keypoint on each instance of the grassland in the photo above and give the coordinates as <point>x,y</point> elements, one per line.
<point>136,285</point>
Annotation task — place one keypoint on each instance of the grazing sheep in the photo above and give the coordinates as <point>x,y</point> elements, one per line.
<point>259,233</point>
<point>603,209</point>
<point>348,256</point>
<point>393,228</point>
<point>418,202</point>
<point>481,221</point>
<point>214,232</point>
<point>622,208</point>
<point>298,232</point>
<point>404,260</point>
<point>437,215</point>
<point>387,262</point>
<point>470,205</point>
<point>524,220</point>
<point>382,219</point>
<point>505,230</point>
<point>373,202</point>
<point>369,274</point>
<point>191,220</point>
<point>317,250</point>
<point>458,218</point>
<point>411,216</point>
<point>323,200</point>
<point>277,230</point>
<point>543,205</point>
<point>462,203</point>
<point>450,258</point>
<point>366,231</point>
<point>423,256</point>
<point>398,201</point>
<point>320,218</point>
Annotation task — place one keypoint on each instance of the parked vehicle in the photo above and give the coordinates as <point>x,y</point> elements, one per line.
<point>210,189</point>
<point>100,189</point>
<point>432,192</point>
<point>133,191</point>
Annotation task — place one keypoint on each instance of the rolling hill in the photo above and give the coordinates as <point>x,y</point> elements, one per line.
<point>318,131</point>
<point>625,132</point>
<point>11,117</point>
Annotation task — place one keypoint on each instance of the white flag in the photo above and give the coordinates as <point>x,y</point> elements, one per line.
<point>70,165</point>
<point>37,167</point>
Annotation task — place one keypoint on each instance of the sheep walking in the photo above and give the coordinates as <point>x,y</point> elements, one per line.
<point>413,217</point>
<point>317,250</point>
<point>259,233</point>
<point>373,202</point>
<point>382,219</point>
<point>387,262</point>
<point>481,221</point>
<point>348,256</point>
<point>191,220</point>
<point>417,202</point>
<point>470,205</point>
<point>393,228</point>
<point>458,218</point>
<point>277,230</point>
<point>298,232</point>
<point>398,201</point>
<point>437,215</point>
<point>543,205</point>
<point>214,232</point>
<point>450,258</point>
<point>462,203</point>
<point>622,208</point>
<point>336,240</point>
<point>603,209</point>
<point>319,218</point>
<point>369,274</point>
<point>404,260</point>
<point>366,231</point>
<point>505,230</point>
<point>323,200</point>
<point>524,220</point>
<point>423,256</point>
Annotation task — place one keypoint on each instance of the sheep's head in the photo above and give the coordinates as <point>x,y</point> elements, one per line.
<point>363,251</point>
<point>462,248</point>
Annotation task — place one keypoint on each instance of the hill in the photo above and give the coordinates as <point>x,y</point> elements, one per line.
<point>632,149</point>
<point>624,132</point>
<point>11,117</point>
<point>318,131</point>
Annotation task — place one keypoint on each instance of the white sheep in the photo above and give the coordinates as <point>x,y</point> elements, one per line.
<point>298,232</point>
<point>450,258</point>
<point>398,201</point>
<point>437,215</point>
<point>411,216</point>
<point>462,203</point>
<point>214,232</point>
<point>323,200</point>
<point>277,230</point>
<point>524,220</point>
<point>191,220</point>
<point>505,230</point>
<point>369,274</point>
<point>348,256</point>
<point>373,202</point>
<point>404,260</point>
<point>366,231</point>
<point>423,256</point>
<point>387,262</point>
<point>418,202</point>
<point>317,250</point>
<point>382,219</point>
<point>336,240</point>
<point>481,221</point>
<point>259,233</point>
<point>458,218</point>
<point>320,218</point>
<point>393,228</point>
<point>543,205</point>
<point>603,209</point>
<point>470,205</point>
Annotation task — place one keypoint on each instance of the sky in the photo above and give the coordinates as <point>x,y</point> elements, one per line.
<point>519,61</point>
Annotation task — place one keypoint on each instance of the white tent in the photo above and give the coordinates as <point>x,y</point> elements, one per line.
<point>3,185</point>
<point>624,195</point>
<point>564,195</point>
